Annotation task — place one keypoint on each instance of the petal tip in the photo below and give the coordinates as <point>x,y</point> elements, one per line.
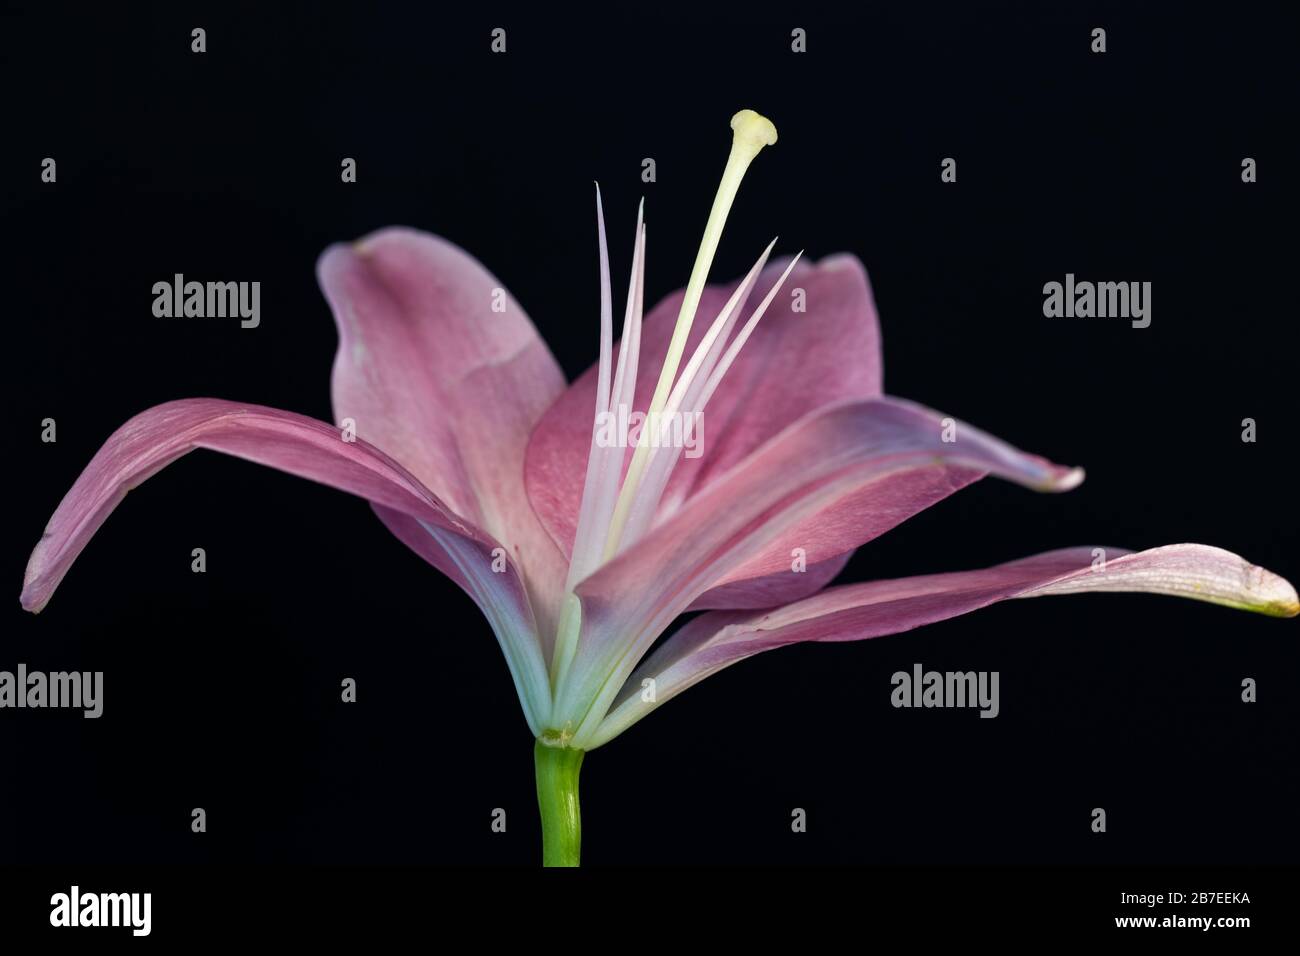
<point>1063,479</point>
<point>37,591</point>
<point>1289,609</point>
<point>366,246</point>
<point>1263,592</point>
<point>32,600</point>
<point>1279,597</point>
<point>841,262</point>
<point>333,258</point>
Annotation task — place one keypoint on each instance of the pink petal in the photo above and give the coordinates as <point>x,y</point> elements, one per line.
<point>878,447</point>
<point>448,386</point>
<point>771,590</point>
<point>794,363</point>
<point>859,611</point>
<point>310,449</point>
<point>829,536</point>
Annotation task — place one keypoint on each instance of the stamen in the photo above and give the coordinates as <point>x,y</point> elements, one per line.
<point>680,402</point>
<point>606,314</point>
<point>620,410</point>
<point>750,133</point>
<point>629,349</point>
<point>697,392</point>
<point>734,349</point>
<point>604,464</point>
<point>714,337</point>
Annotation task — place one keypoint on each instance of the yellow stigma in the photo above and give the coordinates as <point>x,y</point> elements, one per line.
<point>750,133</point>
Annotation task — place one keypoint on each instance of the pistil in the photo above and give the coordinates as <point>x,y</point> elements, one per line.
<point>750,133</point>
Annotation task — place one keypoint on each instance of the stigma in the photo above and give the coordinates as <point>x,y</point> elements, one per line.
<point>751,131</point>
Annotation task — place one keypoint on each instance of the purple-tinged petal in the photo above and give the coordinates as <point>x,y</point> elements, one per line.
<point>771,590</point>
<point>838,453</point>
<point>794,364</point>
<point>854,612</point>
<point>439,366</point>
<point>833,533</point>
<point>309,449</point>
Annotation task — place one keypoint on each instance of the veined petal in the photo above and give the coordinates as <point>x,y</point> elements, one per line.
<point>503,602</point>
<point>859,611</point>
<point>772,590</point>
<point>794,364</point>
<point>836,530</point>
<point>848,451</point>
<point>310,449</point>
<point>442,368</point>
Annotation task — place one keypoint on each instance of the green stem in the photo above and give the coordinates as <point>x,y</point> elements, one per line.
<point>557,799</point>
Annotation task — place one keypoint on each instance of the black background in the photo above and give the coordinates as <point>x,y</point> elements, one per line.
<point>222,689</point>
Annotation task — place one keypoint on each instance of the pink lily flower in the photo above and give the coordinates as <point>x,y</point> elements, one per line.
<point>580,541</point>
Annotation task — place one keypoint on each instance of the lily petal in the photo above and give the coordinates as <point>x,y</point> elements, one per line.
<point>849,451</point>
<point>310,449</point>
<point>828,538</point>
<point>772,590</point>
<point>439,366</point>
<point>854,612</point>
<point>794,364</point>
